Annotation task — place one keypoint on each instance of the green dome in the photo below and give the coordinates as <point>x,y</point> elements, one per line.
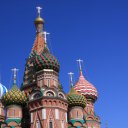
<point>45,61</point>
<point>14,96</point>
<point>76,99</point>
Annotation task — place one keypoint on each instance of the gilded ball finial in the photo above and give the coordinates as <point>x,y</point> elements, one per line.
<point>39,20</point>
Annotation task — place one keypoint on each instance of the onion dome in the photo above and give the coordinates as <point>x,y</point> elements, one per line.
<point>46,61</point>
<point>39,20</point>
<point>14,96</point>
<point>76,99</point>
<point>86,88</point>
<point>3,90</point>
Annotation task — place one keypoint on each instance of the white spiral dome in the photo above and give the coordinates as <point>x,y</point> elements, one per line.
<point>86,88</point>
<point>3,90</point>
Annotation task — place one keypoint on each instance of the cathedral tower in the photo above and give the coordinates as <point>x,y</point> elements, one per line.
<point>77,103</point>
<point>13,101</point>
<point>47,101</point>
<point>89,91</point>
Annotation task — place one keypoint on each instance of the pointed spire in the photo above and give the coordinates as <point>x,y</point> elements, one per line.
<point>39,43</point>
<point>71,78</point>
<point>14,70</point>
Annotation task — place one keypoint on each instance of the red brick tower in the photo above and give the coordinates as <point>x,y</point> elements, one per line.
<point>89,91</point>
<point>47,102</point>
<point>13,101</point>
<point>77,103</point>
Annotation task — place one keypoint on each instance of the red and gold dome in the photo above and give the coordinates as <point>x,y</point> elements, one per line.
<point>86,88</point>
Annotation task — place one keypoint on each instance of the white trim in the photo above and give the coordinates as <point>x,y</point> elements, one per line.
<point>43,113</point>
<point>31,117</point>
<point>66,117</point>
<point>48,70</point>
<point>56,114</point>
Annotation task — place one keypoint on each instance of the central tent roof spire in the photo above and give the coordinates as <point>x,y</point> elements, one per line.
<point>40,41</point>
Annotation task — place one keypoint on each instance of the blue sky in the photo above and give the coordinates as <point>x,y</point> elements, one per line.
<point>93,30</point>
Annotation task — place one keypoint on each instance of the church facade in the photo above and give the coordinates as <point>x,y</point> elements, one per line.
<point>41,101</point>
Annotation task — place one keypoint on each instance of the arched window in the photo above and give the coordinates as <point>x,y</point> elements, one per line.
<point>48,82</point>
<point>54,83</point>
<point>37,95</point>
<point>38,124</point>
<point>50,124</point>
<point>62,124</point>
<point>61,96</point>
<point>77,114</point>
<point>49,93</point>
<point>13,112</point>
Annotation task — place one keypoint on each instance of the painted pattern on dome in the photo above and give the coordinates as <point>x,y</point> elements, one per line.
<point>85,87</point>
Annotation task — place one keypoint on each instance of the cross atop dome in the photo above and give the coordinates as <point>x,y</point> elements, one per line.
<point>71,78</point>
<point>38,10</point>
<point>80,64</point>
<point>14,70</point>
<point>45,36</point>
<point>39,20</point>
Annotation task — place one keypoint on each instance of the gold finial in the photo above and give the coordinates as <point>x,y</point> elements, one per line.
<point>39,20</point>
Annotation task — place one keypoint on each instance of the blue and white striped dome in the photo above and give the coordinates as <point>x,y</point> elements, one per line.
<point>3,90</point>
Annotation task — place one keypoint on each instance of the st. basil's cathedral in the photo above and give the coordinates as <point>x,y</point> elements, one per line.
<point>41,101</point>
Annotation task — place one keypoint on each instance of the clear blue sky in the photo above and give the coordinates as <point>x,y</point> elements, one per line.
<point>93,30</point>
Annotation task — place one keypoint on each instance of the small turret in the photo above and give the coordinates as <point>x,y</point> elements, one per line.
<point>76,103</point>
<point>13,101</point>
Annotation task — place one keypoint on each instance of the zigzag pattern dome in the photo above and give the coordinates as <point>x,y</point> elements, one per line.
<point>3,90</point>
<point>46,61</point>
<point>14,96</point>
<point>86,88</point>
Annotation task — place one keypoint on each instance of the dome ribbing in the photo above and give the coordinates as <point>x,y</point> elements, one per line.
<point>46,61</point>
<point>76,99</point>
<point>86,88</point>
<point>14,96</point>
